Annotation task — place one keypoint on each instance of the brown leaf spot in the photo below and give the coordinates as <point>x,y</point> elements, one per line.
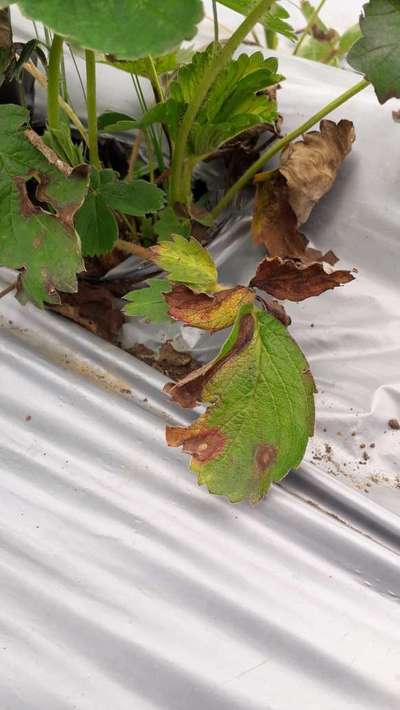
<point>265,457</point>
<point>204,446</point>
<point>28,209</point>
<point>207,312</point>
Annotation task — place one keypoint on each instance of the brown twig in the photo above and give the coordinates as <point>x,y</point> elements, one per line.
<point>132,248</point>
<point>8,289</point>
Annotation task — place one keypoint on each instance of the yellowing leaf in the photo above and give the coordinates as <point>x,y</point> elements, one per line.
<point>186,261</point>
<point>207,312</point>
<point>260,410</point>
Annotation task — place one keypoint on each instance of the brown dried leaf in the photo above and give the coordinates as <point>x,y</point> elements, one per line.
<point>170,362</point>
<point>307,172</point>
<point>293,280</point>
<point>93,308</point>
<point>207,312</point>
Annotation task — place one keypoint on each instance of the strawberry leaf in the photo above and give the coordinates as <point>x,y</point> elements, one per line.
<point>186,261</point>
<point>38,236</point>
<point>260,410</point>
<point>168,223</point>
<point>134,198</point>
<point>149,302</point>
<point>376,54</point>
<point>207,312</point>
<point>95,221</point>
<point>111,26</point>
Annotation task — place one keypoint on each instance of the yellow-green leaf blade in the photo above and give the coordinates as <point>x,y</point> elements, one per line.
<point>260,413</point>
<point>186,261</point>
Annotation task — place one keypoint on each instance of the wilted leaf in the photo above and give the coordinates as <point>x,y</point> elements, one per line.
<point>292,280</point>
<point>310,166</point>
<point>173,363</point>
<point>95,221</point>
<point>307,172</point>
<point>260,414</point>
<point>149,302</point>
<point>376,54</point>
<point>169,223</point>
<point>93,307</point>
<point>186,261</point>
<point>207,312</point>
<point>32,238</point>
<point>126,28</point>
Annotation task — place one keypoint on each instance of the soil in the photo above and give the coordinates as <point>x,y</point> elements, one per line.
<point>169,361</point>
<point>394,424</point>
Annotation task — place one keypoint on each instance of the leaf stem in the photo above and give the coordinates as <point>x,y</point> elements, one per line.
<point>283,142</point>
<point>90,59</point>
<point>41,79</point>
<point>220,60</point>
<point>154,79</point>
<point>308,26</point>
<point>53,111</point>
<point>134,155</point>
<point>216,26</point>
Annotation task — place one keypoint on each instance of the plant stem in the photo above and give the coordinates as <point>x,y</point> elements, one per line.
<point>8,289</point>
<point>218,64</point>
<point>92,107</point>
<point>53,111</point>
<point>283,142</point>
<point>132,248</point>
<point>134,155</point>
<point>216,26</point>
<point>41,79</point>
<point>308,26</point>
<point>154,79</point>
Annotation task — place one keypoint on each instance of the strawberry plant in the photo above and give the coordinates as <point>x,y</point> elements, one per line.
<point>62,205</point>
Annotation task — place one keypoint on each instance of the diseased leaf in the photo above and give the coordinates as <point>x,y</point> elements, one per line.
<point>43,243</point>
<point>94,308</point>
<point>134,198</point>
<point>95,221</point>
<point>169,223</point>
<point>260,410</point>
<point>307,172</point>
<point>292,280</point>
<point>149,302</point>
<point>376,54</point>
<point>126,28</point>
<point>186,261</point>
<point>207,312</point>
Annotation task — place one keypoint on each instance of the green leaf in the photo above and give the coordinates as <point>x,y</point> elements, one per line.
<point>308,11</point>
<point>114,122</point>
<point>273,20</point>
<point>59,140</point>
<point>95,221</point>
<point>126,28</point>
<point>149,302</point>
<point>134,198</point>
<point>377,54</point>
<point>348,39</point>
<point>260,410</point>
<point>168,224</point>
<point>186,261</point>
<point>41,240</point>
<point>164,64</point>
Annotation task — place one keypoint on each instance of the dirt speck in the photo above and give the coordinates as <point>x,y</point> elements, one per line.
<point>28,418</point>
<point>394,424</point>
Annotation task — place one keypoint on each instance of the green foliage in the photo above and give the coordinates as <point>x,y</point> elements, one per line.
<point>149,302</point>
<point>168,224</point>
<point>164,64</point>
<point>323,44</point>
<point>42,240</point>
<point>95,221</point>
<point>186,261</point>
<point>377,54</point>
<point>114,122</point>
<point>274,20</point>
<point>235,102</point>
<point>127,28</point>
<point>260,413</point>
<point>59,140</point>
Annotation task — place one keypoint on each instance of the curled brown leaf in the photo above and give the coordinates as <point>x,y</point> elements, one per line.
<point>207,312</point>
<point>292,280</point>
